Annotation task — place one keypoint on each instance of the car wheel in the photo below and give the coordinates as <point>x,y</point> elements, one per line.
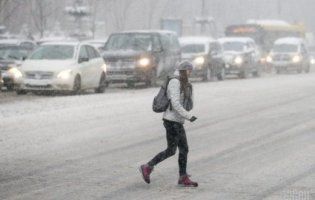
<point>299,69</point>
<point>131,84</point>
<point>10,87</point>
<point>21,92</point>
<point>102,84</point>
<point>221,75</point>
<point>256,73</point>
<point>243,74</point>
<point>76,85</point>
<point>151,79</point>
<point>206,74</point>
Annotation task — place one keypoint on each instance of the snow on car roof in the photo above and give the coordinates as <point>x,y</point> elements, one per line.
<point>289,40</point>
<point>235,39</point>
<point>74,43</point>
<point>12,41</point>
<point>195,40</point>
<point>56,39</point>
<point>148,31</point>
<point>268,22</point>
<point>95,41</point>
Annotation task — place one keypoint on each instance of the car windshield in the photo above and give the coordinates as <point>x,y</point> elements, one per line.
<point>12,53</point>
<point>130,41</point>
<point>282,48</point>
<point>193,48</point>
<point>233,46</point>
<point>53,52</point>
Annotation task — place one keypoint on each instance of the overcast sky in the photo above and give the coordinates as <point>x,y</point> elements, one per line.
<point>114,15</point>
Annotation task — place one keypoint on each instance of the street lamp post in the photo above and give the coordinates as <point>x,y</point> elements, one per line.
<point>78,12</point>
<point>279,8</point>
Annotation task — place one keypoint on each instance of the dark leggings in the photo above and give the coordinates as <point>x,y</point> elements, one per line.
<point>176,137</point>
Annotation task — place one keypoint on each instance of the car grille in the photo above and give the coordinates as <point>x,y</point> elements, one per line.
<point>38,86</point>
<point>39,75</point>
<point>121,62</point>
<point>121,72</point>
<point>282,57</point>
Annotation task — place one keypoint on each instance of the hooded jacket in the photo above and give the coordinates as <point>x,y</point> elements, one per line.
<point>176,112</point>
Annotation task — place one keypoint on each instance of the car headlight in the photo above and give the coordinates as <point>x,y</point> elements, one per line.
<point>269,59</point>
<point>66,74</point>
<point>238,60</point>
<point>296,58</point>
<point>199,60</point>
<point>15,73</point>
<point>144,62</point>
<point>104,68</point>
<point>312,61</point>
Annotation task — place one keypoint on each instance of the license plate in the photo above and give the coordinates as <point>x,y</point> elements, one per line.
<point>37,83</point>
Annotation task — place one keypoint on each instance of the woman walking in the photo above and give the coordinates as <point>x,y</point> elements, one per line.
<point>179,92</point>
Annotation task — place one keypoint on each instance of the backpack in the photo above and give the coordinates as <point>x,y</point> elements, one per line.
<point>161,101</point>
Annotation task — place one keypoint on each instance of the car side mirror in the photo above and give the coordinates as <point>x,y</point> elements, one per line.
<point>24,58</point>
<point>81,60</point>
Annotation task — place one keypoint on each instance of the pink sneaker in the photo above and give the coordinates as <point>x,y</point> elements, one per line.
<point>146,171</point>
<point>184,181</point>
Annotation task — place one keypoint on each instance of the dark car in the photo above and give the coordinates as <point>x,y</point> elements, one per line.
<point>141,56</point>
<point>12,56</point>
<point>206,55</point>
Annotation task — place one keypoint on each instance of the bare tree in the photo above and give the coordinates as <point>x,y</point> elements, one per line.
<point>8,8</point>
<point>119,12</point>
<point>41,10</point>
<point>152,9</point>
<point>3,5</point>
<point>93,4</point>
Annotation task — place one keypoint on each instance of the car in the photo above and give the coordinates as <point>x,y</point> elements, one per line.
<point>62,66</point>
<point>55,39</point>
<point>141,56</point>
<point>26,44</point>
<point>290,54</point>
<point>11,56</point>
<point>206,55</point>
<point>99,44</point>
<point>241,56</point>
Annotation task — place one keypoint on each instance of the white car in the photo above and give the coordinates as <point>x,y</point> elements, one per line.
<point>206,55</point>
<point>62,66</point>
<point>241,56</point>
<point>289,54</point>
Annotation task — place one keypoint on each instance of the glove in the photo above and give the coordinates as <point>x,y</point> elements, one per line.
<point>193,119</point>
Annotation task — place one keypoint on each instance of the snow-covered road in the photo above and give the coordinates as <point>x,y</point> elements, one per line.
<point>254,139</point>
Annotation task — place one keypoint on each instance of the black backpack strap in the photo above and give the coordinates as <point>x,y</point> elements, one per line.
<point>169,78</point>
